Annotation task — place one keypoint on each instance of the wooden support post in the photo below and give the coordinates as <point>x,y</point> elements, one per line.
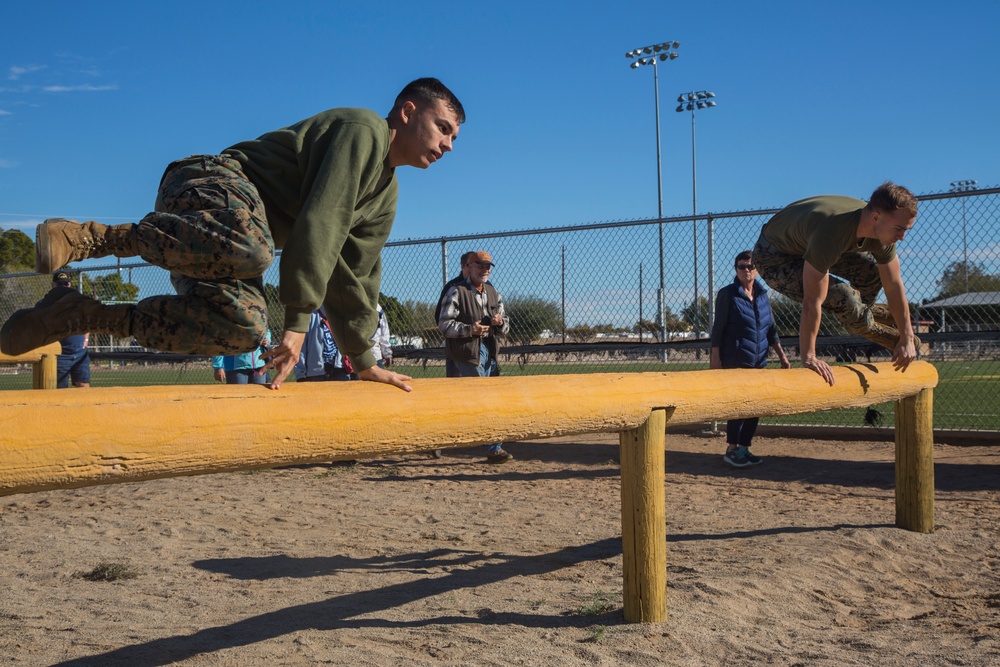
<point>644,521</point>
<point>44,372</point>
<point>915,462</point>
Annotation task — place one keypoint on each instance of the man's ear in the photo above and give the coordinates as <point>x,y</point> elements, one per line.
<point>406,111</point>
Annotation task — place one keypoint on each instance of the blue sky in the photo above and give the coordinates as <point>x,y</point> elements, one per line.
<point>96,98</point>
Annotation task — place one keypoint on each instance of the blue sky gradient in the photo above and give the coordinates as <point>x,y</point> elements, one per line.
<point>813,98</point>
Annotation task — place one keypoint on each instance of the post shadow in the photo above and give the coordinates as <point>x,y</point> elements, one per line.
<point>342,612</point>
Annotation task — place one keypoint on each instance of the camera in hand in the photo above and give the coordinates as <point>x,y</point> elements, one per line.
<point>486,321</point>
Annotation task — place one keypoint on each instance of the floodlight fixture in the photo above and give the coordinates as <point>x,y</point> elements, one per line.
<point>967,185</point>
<point>964,186</point>
<point>660,52</point>
<point>692,102</point>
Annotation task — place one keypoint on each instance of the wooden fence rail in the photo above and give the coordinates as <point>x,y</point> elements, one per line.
<point>43,364</point>
<point>63,439</point>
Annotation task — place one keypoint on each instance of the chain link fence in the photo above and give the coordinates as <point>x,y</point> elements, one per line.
<point>630,296</point>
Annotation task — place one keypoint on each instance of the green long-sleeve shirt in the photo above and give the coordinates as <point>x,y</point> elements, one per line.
<point>330,199</point>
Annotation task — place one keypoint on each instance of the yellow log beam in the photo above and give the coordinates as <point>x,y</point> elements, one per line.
<point>44,365</point>
<point>104,435</point>
<point>31,356</point>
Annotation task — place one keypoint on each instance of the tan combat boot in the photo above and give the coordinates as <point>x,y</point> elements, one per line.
<point>59,242</point>
<point>887,337</point>
<point>63,312</point>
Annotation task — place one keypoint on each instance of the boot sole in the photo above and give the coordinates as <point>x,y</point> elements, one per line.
<point>5,333</point>
<point>7,330</point>
<point>42,257</point>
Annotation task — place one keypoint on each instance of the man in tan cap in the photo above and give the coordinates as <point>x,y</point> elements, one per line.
<point>472,318</point>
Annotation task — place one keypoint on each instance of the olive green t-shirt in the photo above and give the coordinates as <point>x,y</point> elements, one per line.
<point>330,197</point>
<point>823,229</point>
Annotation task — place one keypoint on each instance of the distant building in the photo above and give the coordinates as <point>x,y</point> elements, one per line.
<point>972,311</point>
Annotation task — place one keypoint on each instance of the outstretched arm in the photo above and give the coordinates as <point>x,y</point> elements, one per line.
<point>814,288</point>
<point>782,357</point>
<point>895,294</point>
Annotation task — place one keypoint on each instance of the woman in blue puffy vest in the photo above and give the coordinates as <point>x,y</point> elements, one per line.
<point>742,332</point>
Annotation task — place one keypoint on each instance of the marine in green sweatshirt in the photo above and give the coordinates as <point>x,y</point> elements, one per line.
<point>323,190</point>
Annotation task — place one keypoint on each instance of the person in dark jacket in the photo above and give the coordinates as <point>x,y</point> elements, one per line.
<point>743,330</point>
<point>472,319</point>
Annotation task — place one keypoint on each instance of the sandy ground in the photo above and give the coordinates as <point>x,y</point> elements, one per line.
<point>415,561</point>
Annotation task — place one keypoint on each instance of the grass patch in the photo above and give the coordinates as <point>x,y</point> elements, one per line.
<point>338,468</point>
<point>386,471</point>
<point>600,603</point>
<point>110,572</point>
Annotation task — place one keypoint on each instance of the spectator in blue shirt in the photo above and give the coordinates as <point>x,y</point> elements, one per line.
<point>241,368</point>
<point>320,359</point>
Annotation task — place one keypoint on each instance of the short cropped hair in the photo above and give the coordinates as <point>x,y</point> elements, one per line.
<point>466,256</point>
<point>890,197</point>
<point>746,255</point>
<point>429,89</point>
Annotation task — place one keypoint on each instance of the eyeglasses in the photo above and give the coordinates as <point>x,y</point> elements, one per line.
<point>745,267</point>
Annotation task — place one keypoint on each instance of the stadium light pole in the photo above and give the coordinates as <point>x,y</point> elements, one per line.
<point>651,55</point>
<point>692,102</point>
<point>964,186</point>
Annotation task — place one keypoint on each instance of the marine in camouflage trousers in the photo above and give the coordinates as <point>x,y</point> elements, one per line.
<point>209,229</point>
<point>854,283</point>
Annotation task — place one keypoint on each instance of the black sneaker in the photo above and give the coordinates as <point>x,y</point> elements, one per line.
<point>754,460</point>
<point>737,458</point>
<point>501,456</point>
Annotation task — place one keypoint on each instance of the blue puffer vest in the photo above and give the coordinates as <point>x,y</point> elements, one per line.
<point>744,340</point>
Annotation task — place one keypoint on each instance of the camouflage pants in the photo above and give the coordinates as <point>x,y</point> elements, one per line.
<point>854,283</point>
<point>210,231</point>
